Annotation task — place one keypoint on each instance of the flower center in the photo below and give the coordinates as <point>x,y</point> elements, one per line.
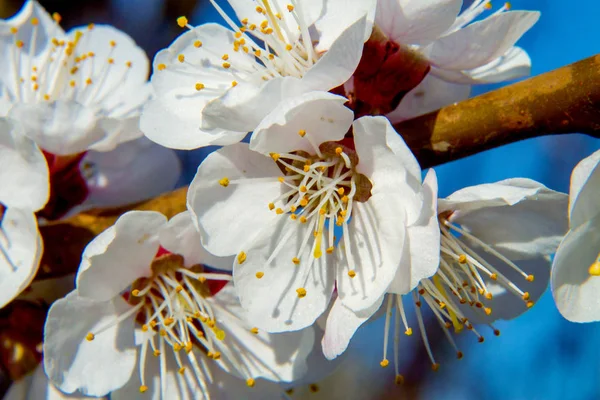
<point>458,285</point>
<point>61,72</point>
<point>173,308</point>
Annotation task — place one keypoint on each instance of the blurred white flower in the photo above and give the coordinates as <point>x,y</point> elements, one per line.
<point>319,213</point>
<point>495,242</point>
<point>148,316</point>
<point>460,52</point>
<point>214,84</point>
<point>576,267</point>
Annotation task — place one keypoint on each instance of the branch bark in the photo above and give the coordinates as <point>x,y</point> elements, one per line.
<point>562,101</point>
<point>565,100</point>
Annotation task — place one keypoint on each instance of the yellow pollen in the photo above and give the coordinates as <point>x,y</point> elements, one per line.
<point>234,83</point>
<point>202,279</point>
<point>224,182</point>
<point>225,57</point>
<point>111,60</point>
<point>288,47</point>
<point>128,64</point>
<point>47,97</point>
<point>156,353</point>
<point>352,273</point>
<point>293,217</point>
<point>181,58</point>
<point>252,27</point>
<point>113,43</point>
<point>254,330</point>
<point>244,21</point>
<point>399,380</point>
<point>279,211</point>
<point>507,5</point>
<point>290,7</point>
<point>494,276</point>
<point>488,6</point>
<point>197,44</point>
<point>384,363</point>
<point>301,292</point>
<point>257,53</point>
<point>275,156</point>
<point>264,24</point>
<point>226,65</point>
<point>182,21</point>
<point>301,132</point>
<point>462,259</point>
<point>20,44</point>
<point>177,347</point>
<point>153,324</point>
<point>188,346</point>
<point>169,320</point>
<point>90,336</point>
<point>88,81</point>
<point>338,150</point>
<point>35,21</point>
<point>250,382</point>
<point>271,56</point>
<point>271,206</point>
<point>594,269</point>
<point>143,389</point>
<point>329,250</point>
<point>259,274</point>
<point>296,260</point>
<point>345,199</point>
<point>281,179</point>
<point>241,257</point>
<point>435,366</point>
<point>303,219</point>
<point>90,26</point>
<point>408,332</point>
<point>216,355</point>
<point>303,189</point>
<point>303,202</point>
<point>487,310</point>
<point>14,30</point>
<point>179,288</point>
<point>199,86</point>
<point>529,278</point>
<point>182,370</point>
<point>526,296</point>
<point>529,304</point>
<point>488,296</point>
<point>72,83</point>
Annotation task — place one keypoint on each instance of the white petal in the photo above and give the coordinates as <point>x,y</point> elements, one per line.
<point>322,117</point>
<point>519,217</point>
<point>61,127</point>
<point>341,325</point>
<point>338,15</point>
<point>416,22</point>
<point>117,131</point>
<point>134,171</point>
<point>24,179</point>
<point>21,249</point>
<point>482,41</point>
<point>122,89</point>
<point>515,63</point>
<point>180,236</point>
<point>423,241</point>
<point>230,216</point>
<point>376,233</point>
<point>119,255</point>
<point>272,301</point>
<point>276,357</point>
<point>585,181</point>
<point>429,95</point>
<point>575,290</point>
<point>93,367</point>
<point>174,118</point>
<point>338,63</point>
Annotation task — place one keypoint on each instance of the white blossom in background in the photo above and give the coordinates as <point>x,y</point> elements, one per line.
<point>148,319</point>
<point>495,243</point>
<point>24,189</point>
<point>214,84</point>
<point>461,52</point>
<point>308,211</point>
<point>576,267</point>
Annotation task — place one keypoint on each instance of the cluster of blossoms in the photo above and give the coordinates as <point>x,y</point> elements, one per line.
<point>318,223</point>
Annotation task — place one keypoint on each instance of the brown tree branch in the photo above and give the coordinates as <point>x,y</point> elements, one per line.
<point>562,101</point>
<point>565,100</point>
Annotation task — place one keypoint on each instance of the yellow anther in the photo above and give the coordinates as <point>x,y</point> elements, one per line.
<point>288,47</point>
<point>111,60</point>
<point>329,250</point>
<point>271,206</point>
<point>507,5</point>
<point>182,370</point>
<point>322,211</point>
<point>343,213</point>
<point>259,274</point>
<point>352,273</point>
<point>338,150</point>
<point>303,219</point>
<point>181,58</point>
<point>279,211</point>
<point>35,21</point>
<point>399,380</point>
<point>188,346</point>
<point>296,260</point>
<point>179,288</point>
<point>303,202</point>
<point>20,44</point>
<point>113,43</point>
<point>341,191</point>
<point>234,83</point>
<point>88,81</point>
<point>526,296</point>
<point>275,156</point>
<point>301,292</point>
<point>128,64</point>
<point>177,347</point>
<point>303,189</point>
<point>153,324</point>
<point>264,24</point>
<point>56,17</point>
<point>345,199</point>
<point>47,97</point>
<point>224,182</point>
<point>462,259</point>
<point>197,44</point>
<point>408,332</point>
<point>226,65</point>
<point>488,6</point>
<point>293,208</point>
<point>225,57</point>
<point>156,353</point>
<point>281,179</point>
<point>494,276</point>
<point>271,56</point>
<point>91,26</point>
<point>487,310</point>
<point>250,382</point>
<point>143,389</point>
<point>488,296</point>
<point>199,86</point>
<point>529,278</point>
<point>90,336</point>
<point>301,132</point>
<point>384,363</point>
<point>290,7</point>
<point>313,387</point>
<point>216,355</point>
<point>135,292</point>
<point>254,330</point>
<point>14,30</point>
<point>182,21</point>
<point>252,27</point>
<point>202,279</point>
<point>435,367</point>
<point>529,304</point>
<point>169,320</point>
<point>241,257</point>
<point>293,217</point>
<point>257,53</point>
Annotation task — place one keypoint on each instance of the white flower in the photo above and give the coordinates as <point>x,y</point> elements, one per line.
<point>71,91</point>
<point>283,216</point>
<point>213,84</point>
<point>459,51</point>
<point>494,264</point>
<point>23,190</point>
<point>576,267</point>
<point>146,309</point>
